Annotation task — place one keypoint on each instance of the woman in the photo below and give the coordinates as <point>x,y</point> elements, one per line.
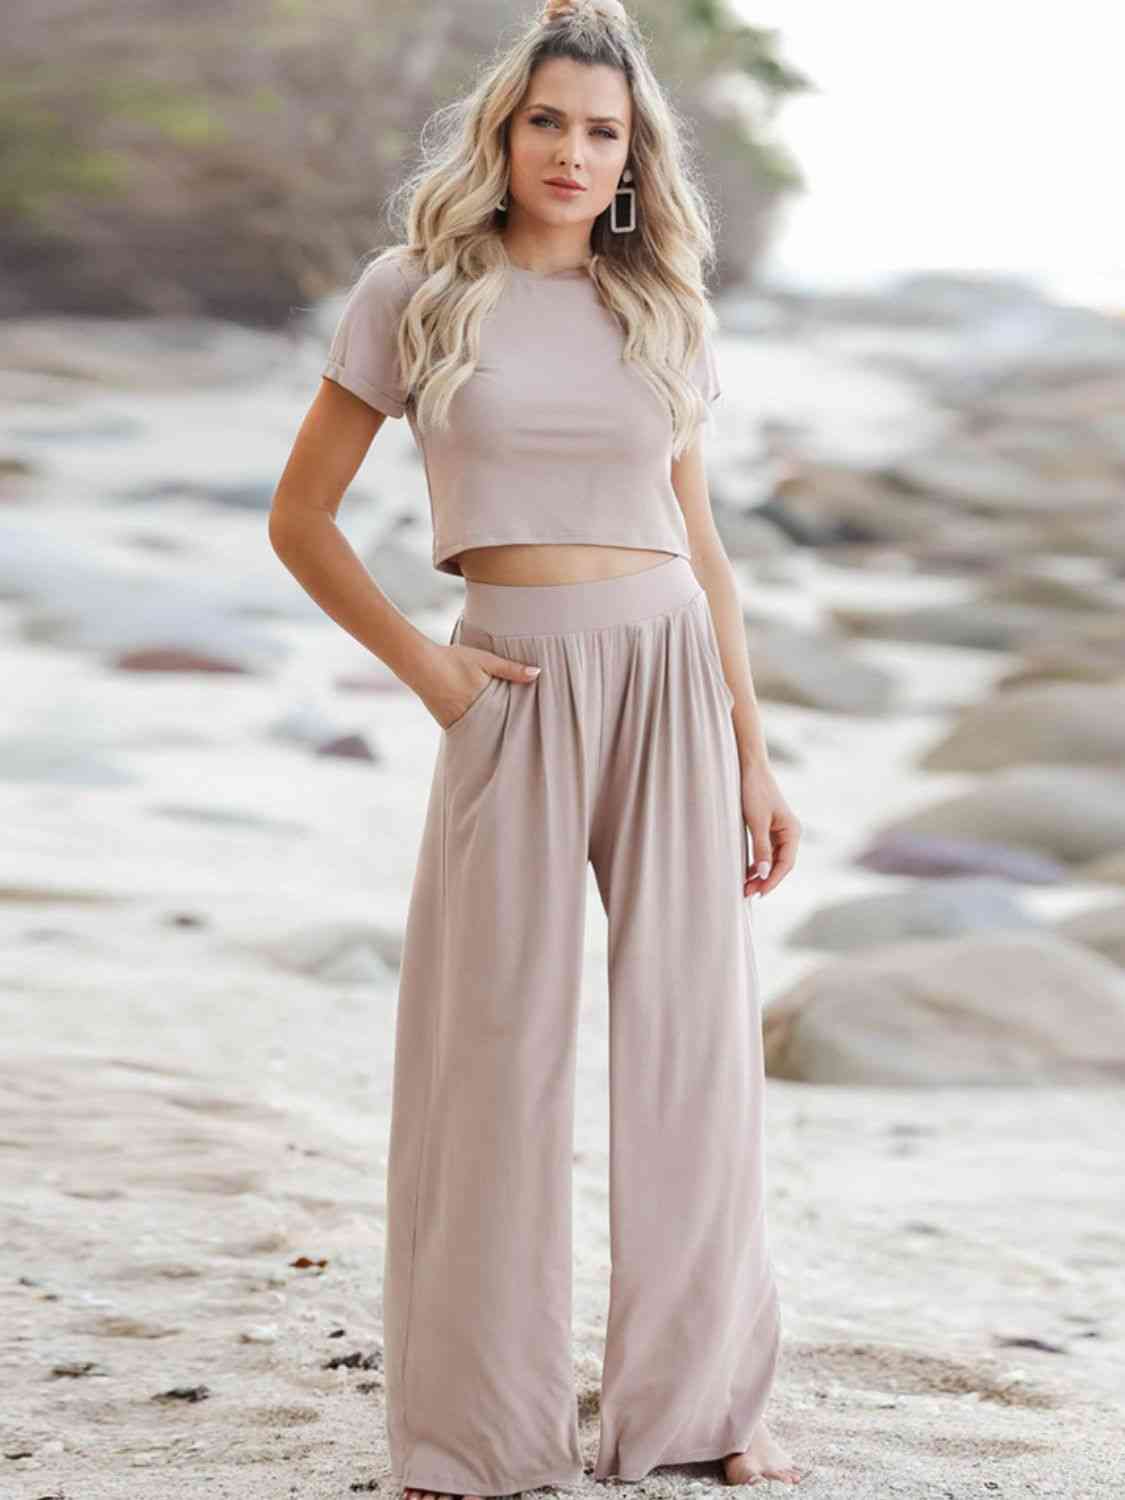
<point>546,331</point>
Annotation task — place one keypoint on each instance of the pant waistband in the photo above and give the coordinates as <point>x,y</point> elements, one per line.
<point>555,608</point>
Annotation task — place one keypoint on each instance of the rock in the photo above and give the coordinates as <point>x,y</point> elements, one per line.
<point>822,503</point>
<point>973,544</point>
<point>171,659</point>
<point>934,908</point>
<point>303,725</point>
<point>1090,652</point>
<point>348,747</point>
<point>1102,929</point>
<point>979,624</point>
<point>1030,585</point>
<point>1057,722</point>
<point>309,727</point>
<point>1006,1009</point>
<point>95,606</point>
<point>924,854</point>
<point>143,354</point>
<point>815,669</point>
<point>264,1333</point>
<point>13,467</point>
<point>340,951</point>
<point>1101,536</point>
<point>243,494</point>
<point>36,894</point>
<point>1108,869</point>
<point>1093,401</point>
<point>749,535</point>
<point>1069,813</point>
<point>973,473</point>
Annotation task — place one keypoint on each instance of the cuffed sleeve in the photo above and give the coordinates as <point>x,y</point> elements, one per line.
<point>705,371</point>
<point>363,355</point>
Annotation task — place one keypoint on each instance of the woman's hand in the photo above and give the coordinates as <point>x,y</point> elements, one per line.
<point>460,674</point>
<point>774,830</point>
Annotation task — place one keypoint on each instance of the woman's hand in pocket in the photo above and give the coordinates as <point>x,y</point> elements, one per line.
<point>461,674</point>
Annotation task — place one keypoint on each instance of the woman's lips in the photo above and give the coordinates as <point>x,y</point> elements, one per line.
<point>558,187</point>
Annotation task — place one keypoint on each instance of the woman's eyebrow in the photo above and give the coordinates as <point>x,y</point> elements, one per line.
<point>596,119</point>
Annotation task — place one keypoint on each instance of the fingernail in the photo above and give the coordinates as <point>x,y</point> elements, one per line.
<point>534,671</point>
<point>763,870</point>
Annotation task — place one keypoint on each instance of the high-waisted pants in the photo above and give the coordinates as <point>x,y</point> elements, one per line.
<point>622,753</point>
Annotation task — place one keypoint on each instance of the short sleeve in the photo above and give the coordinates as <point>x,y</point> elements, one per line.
<point>363,355</point>
<point>705,371</point>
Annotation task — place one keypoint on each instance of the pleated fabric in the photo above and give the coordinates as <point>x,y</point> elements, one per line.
<point>622,753</point>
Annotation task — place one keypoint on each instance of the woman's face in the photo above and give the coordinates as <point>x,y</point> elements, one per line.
<point>573,122</point>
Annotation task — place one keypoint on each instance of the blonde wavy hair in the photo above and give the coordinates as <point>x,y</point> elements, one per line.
<point>651,280</point>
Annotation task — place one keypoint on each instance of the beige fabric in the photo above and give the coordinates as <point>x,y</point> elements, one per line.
<point>621,753</point>
<point>553,438</point>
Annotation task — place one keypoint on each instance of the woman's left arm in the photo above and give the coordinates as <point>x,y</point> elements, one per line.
<point>774,828</point>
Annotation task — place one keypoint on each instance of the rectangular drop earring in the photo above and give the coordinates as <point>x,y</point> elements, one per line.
<point>630,196</point>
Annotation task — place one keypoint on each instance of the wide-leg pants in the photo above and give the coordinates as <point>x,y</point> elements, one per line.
<point>622,754</point>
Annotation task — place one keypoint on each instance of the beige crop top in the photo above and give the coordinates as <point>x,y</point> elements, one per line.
<point>553,438</point>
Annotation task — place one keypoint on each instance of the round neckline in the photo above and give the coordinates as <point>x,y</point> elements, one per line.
<point>566,273</point>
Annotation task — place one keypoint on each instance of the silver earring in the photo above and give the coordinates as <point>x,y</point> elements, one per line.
<point>630,196</point>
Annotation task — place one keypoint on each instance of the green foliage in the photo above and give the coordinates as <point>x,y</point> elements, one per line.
<point>41,162</point>
<point>245,167</point>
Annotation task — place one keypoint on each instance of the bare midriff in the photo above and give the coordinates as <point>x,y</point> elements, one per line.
<point>555,562</point>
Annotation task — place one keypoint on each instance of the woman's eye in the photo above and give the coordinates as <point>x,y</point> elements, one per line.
<point>601,129</point>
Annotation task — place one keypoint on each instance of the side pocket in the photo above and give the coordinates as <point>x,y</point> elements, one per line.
<point>489,688</point>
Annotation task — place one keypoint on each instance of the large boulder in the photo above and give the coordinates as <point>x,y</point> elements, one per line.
<point>924,909</point>
<point>1101,928</point>
<point>1069,723</point>
<point>1092,650</point>
<point>1105,869</point>
<point>1069,813</point>
<point>929,856</point>
<point>1003,1009</point>
<point>815,669</point>
<point>979,624</point>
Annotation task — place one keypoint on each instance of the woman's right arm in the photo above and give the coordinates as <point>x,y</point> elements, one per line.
<point>330,445</point>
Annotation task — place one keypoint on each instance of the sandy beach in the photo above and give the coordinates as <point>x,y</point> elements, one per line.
<point>203,886</point>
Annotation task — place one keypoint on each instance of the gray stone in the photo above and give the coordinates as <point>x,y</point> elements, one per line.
<point>929,855</point>
<point>1066,723</point>
<point>1005,1009</point>
<point>815,669</point>
<point>932,908</point>
<point>977,624</point>
<point>1068,813</point>
<point>1102,928</point>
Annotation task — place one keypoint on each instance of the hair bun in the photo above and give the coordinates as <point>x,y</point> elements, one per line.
<point>558,10</point>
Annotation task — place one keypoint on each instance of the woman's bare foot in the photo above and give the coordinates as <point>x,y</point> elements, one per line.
<point>436,1495</point>
<point>764,1459</point>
